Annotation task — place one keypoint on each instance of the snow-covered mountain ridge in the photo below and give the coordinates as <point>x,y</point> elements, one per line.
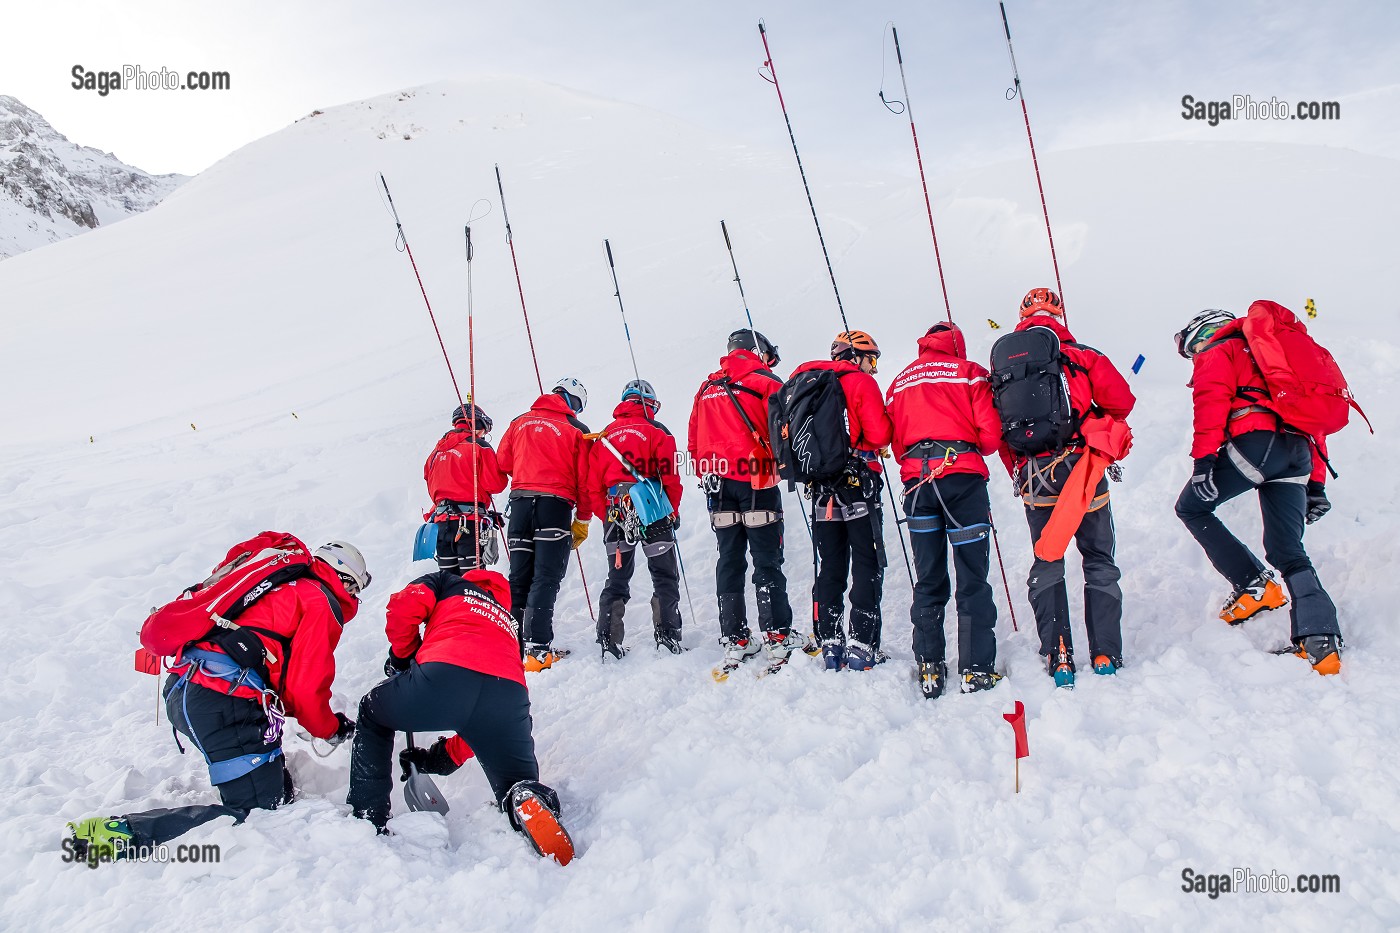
<point>51,188</point>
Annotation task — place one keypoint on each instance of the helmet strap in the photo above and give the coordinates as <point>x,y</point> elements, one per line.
<point>352,586</point>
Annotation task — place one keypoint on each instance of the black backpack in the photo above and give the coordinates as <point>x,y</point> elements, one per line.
<point>807,426</point>
<point>1030,389</point>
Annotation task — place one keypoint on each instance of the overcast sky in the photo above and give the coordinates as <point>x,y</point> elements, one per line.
<point>1094,71</point>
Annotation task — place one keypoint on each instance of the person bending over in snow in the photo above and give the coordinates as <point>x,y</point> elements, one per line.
<point>234,714</point>
<point>1239,445</point>
<point>636,445</point>
<point>454,662</point>
<point>546,453</point>
<point>944,423</point>
<point>462,476</point>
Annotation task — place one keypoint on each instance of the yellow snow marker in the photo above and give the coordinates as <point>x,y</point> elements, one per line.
<point>192,427</point>
<point>1310,308</point>
<point>993,324</point>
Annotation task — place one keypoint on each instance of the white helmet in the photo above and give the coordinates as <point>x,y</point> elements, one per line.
<point>346,560</point>
<point>573,391</point>
<point>1195,334</point>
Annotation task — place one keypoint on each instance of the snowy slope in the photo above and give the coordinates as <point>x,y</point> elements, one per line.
<point>269,286</point>
<point>51,189</point>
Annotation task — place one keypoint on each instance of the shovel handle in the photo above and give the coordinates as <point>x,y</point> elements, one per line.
<point>412,768</point>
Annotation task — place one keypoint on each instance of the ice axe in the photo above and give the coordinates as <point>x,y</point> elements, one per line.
<point>419,791</point>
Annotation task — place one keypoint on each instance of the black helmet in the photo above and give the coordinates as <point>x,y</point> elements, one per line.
<point>748,339</point>
<point>461,413</point>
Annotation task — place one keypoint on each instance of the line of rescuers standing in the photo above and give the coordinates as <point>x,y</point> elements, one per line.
<point>940,422</point>
<point>1052,409</point>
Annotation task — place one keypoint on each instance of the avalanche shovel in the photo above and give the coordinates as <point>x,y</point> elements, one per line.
<point>419,791</point>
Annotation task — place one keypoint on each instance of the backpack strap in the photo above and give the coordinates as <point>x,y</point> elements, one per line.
<point>603,439</point>
<point>729,385</point>
<point>286,642</point>
<point>1251,394</point>
<point>1220,341</point>
<point>1068,363</point>
<point>336,611</point>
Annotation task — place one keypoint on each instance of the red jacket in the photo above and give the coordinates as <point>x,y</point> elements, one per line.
<point>1094,382</point>
<point>648,447</point>
<point>869,423</point>
<point>448,470</point>
<point>303,629</point>
<point>1221,412</point>
<point>545,451</point>
<point>718,436</point>
<point>459,620</point>
<point>944,397</point>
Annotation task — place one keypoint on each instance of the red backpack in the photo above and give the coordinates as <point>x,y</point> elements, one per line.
<point>248,572</point>
<point>1306,387</point>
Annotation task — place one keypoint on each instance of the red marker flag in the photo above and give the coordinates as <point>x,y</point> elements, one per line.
<point>1018,723</point>
<point>146,663</point>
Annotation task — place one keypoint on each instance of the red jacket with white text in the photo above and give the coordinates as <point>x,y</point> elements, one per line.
<point>943,396</point>
<point>718,435</point>
<point>449,469</point>
<point>648,447</point>
<point>456,619</point>
<point>545,451</point>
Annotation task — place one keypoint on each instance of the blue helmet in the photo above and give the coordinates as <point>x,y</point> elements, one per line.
<point>640,388</point>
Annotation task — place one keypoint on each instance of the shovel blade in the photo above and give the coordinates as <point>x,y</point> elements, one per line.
<point>420,793</point>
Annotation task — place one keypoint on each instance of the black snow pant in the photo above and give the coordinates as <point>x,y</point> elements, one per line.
<point>752,520</point>
<point>226,727</point>
<point>491,713</point>
<point>1049,596</point>
<point>952,510</point>
<point>456,543</point>
<point>658,545</point>
<point>1278,465</point>
<point>849,538</point>
<point>539,538</point>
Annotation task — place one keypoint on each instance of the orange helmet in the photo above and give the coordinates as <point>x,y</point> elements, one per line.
<point>854,343</point>
<point>1040,300</point>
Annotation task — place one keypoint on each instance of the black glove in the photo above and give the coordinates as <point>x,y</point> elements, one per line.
<point>1203,479</point>
<point>1318,505</point>
<point>396,665</point>
<point>345,732</point>
<point>1115,472</point>
<point>431,760</point>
